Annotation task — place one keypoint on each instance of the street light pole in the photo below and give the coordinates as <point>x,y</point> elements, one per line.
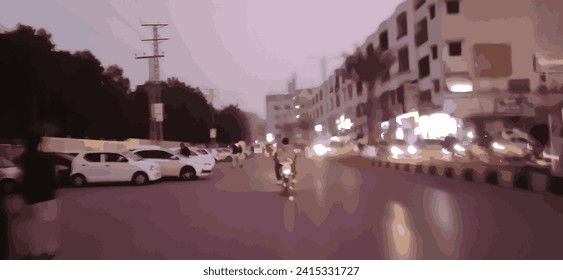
<point>212,129</point>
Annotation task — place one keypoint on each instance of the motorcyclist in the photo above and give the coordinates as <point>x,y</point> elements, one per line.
<point>282,153</point>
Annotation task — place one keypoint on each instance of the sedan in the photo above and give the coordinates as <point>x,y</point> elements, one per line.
<point>174,165</point>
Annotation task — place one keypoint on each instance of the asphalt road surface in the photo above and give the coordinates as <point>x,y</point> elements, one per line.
<point>339,212</point>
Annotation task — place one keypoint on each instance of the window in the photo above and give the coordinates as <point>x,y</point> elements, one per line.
<point>418,4</point>
<point>402,25</point>
<point>434,50</point>
<point>424,67</point>
<point>359,88</point>
<point>401,94</point>
<point>350,90</point>
<point>386,76</point>
<point>384,40</point>
<point>112,157</point>
<point>455,48</point>
<point>322,110</point>
<point>321,95</point>
<point>393,94</point>
<point>432,10</point>
<point>358,111</point>
<point>287,107</point>
<point>404,59</point>
<point>421,32</point>
<point>426,96</point>
<point>276,107</point>
<point>452,7</point>
<point>337,100</point>
<point>93,157</point>
<point>436,85</point>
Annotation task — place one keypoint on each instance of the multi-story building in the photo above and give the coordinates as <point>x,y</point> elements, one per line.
<point>289,114</point>
<point>338,97</point>
<point>280,114</point>
<point>471,59</point>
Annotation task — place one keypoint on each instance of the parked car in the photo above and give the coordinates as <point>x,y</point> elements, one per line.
<point>174,165</point>
<point>206,160</point>
<point>96,167</point>
<point>10,176</point>
<point>400,149</point>
<point>221,154</point>
<point>515,148</point>
<point>62,162</point>
<point>63,166</point>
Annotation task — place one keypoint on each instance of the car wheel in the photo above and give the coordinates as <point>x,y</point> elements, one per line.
<point>78,180</point>
<point>187,173</point>
<point>140,178</point>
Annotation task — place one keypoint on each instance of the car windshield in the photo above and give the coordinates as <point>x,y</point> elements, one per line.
<point>132,156</point>
<point>4,163</point>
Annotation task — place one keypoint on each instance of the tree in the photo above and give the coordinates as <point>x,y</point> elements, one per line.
<point>232,125</point>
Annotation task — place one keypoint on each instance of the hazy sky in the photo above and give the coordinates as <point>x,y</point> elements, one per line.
<point>244,48</point>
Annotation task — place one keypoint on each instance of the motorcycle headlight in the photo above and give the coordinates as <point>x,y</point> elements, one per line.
<point>286,169</point>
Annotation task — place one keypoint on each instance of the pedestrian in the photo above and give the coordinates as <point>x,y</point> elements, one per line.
<point>41,210</point>
<point>235,155</point>
<point>184,150</point>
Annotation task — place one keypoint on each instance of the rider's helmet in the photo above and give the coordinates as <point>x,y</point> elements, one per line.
<point>285,141</point>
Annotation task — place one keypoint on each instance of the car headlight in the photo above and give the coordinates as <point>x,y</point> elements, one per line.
<point>459,148</point>
<point>286,169</point>
<point>498,146</point>
<point>320,149</point>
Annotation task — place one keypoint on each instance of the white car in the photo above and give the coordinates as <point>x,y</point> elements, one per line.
<point>96,167</point>
<point>174,165</point>
<point>10,175</point>
<point>206,160</point>
<point>221,154</point>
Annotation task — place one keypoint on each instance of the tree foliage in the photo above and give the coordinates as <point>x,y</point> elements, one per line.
<point>76,95</point>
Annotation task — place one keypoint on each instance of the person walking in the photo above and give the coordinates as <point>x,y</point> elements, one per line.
<point>41,210</point>
<point>236,151</point>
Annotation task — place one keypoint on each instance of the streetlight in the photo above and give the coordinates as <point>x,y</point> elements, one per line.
<point>319,128</point>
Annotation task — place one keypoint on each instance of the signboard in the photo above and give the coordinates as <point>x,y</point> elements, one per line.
<point>157,112</point>
<point>515,106</point>
<point>213,133</point>
<point>547,63</point>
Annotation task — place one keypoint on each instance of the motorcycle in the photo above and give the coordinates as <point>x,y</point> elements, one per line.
<point>288,177</point>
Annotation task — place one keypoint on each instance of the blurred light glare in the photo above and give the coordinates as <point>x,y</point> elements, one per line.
<point>318,127</point>
<point>270,137</point>
<point>412,150</point>
<point>498,146</point>
<point>462,88</point>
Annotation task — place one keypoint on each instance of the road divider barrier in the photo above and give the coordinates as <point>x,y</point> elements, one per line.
<point>503,175</point>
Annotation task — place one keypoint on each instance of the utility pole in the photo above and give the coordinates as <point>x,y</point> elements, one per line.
<point>154,86</point>
<point>213,128</point>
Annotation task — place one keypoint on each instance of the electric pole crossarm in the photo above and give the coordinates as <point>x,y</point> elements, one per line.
<point>149,56</point>
<point>155,39</point>
<point>154,24</point>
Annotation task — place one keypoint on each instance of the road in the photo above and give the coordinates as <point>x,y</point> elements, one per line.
<point>339,212</point>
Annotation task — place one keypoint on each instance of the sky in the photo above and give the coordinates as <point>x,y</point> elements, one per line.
<point>244,49</point>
